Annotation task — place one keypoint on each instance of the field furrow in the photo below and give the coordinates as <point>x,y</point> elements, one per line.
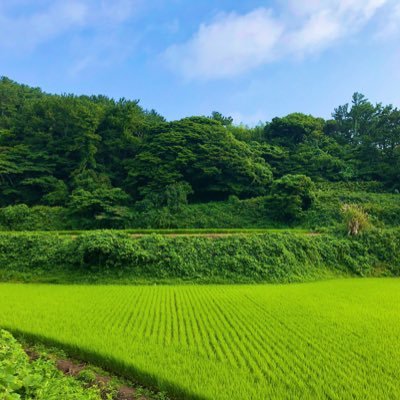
<point>326,340</point>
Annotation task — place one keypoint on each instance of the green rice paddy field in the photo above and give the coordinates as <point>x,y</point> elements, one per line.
<point>336,339</point>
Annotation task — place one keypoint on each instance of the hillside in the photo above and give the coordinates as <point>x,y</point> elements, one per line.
<point>89,162</point>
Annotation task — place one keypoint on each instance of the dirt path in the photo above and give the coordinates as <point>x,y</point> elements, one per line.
<point>102,382</point>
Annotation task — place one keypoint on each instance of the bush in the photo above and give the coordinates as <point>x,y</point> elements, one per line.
<point>290,197</point>
<point>21,217</point>
<point>278,257</point>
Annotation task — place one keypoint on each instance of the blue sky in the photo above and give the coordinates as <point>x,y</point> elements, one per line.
<point>250,59</point>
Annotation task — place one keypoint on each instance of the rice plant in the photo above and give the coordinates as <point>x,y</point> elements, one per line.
<point>335,339</point>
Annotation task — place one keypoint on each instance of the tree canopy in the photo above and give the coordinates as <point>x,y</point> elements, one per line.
<point>99,156</point>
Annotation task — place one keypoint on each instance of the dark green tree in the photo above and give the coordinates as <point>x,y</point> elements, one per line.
<point>293,129</point>
<point>202,153</point>
<point>290,197</point>
<point>225,121</point>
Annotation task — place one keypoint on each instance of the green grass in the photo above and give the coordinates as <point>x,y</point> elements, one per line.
<point>335,339</point>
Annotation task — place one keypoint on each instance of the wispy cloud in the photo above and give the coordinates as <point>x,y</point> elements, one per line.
<point>24,31</point>
<point>100,51</point>
<point>233,44</point>
<point>25,25</point>
<point>390,24</point>
<point>324,23</point>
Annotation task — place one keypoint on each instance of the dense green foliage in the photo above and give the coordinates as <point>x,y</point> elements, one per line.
<point>21,379</point>
<point>332,339</point>
<point>259,212</point>
<point>201,152</point>
<point>383,209</point>
<point>118,257</point>
<point>93,162</point>
<point>291,196</point>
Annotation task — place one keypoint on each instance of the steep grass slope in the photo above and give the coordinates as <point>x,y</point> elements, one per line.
<point>120,257</point>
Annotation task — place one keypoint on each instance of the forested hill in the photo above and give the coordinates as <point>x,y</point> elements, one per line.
<point>93,152</point>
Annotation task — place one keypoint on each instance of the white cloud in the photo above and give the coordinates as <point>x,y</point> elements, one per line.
<point>26,24</point>
<point>233,44</point>
<point>326,22</point>
<point>319,31</point>
<point>228,46</point>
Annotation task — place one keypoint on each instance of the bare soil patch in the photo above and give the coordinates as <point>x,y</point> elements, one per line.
<point>71,368</point>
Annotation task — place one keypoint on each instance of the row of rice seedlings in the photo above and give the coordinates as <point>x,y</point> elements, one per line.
<point>226,342</point>
<point>354,369</point>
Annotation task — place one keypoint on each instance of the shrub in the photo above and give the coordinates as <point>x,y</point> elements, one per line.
<point>278,257</point>
<point>22,217</point>
<point>291,196</point>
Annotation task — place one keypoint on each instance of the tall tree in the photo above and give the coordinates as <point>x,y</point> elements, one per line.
<point>201,152</point>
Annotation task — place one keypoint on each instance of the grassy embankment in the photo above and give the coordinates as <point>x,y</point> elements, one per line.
<point>119,257</point>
